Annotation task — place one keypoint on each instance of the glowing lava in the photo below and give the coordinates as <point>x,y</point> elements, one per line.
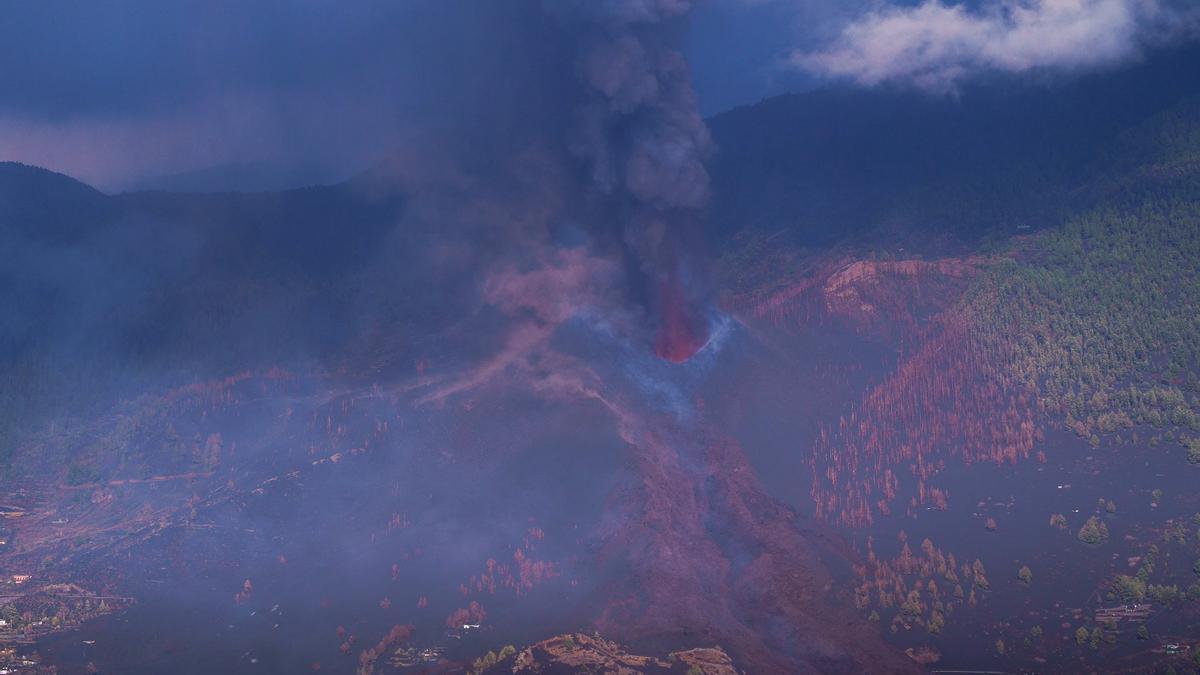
<point>681,332</point>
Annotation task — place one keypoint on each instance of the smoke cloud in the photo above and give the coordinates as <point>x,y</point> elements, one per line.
<point>639,134</point>
<point>593,211</point>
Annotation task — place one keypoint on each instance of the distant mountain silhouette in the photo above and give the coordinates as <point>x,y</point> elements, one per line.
<point>41,204</point>
<point>1004,153</point>
<point>121,285</point>
<point>239,177</point>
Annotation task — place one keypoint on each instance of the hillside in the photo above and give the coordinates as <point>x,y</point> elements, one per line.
<point>999,156</point>
<point>948,409</point>
<point>1004,376</point>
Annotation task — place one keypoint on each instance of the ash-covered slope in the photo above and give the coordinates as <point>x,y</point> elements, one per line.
<point>569,490</point>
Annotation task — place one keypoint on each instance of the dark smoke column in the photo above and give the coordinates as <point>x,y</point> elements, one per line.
<point>644,144</point>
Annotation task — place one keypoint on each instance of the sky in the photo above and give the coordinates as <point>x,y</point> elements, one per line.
<point>120,93</point>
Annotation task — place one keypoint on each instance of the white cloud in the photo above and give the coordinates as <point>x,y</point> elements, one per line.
<point>936,45</point>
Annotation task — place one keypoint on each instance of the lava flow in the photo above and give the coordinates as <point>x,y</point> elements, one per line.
<point>682,333</point>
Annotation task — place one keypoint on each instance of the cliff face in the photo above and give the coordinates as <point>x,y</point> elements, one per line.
<point>903,293</point>
<point>883,299</point>
<point>583,653</point>
<point>860,271</point>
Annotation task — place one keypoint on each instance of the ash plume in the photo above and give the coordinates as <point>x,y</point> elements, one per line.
<point>642,143</point>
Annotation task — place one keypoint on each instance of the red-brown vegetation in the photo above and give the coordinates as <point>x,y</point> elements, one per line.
<point>945,399</point>
<point>367,658</point>
<point>922,590</point>
<point>522,575</point>
<point>947,395</point>
<point>471,614</point>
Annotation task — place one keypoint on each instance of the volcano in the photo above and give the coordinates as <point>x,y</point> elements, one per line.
<point>867,381</point>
